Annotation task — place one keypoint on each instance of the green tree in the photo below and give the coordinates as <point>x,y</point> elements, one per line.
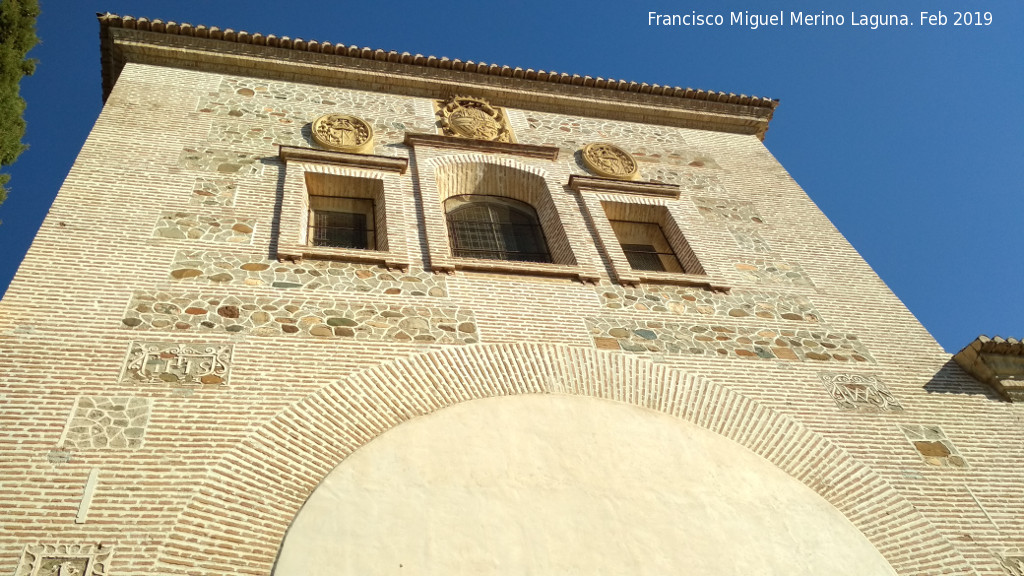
<point>17,37</point>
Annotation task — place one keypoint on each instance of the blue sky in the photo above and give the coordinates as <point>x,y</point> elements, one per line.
<point>910,139</point>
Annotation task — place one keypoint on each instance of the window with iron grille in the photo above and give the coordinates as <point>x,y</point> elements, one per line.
<point>342,222</point>
<point>645,246</point>
<point>495,228</point>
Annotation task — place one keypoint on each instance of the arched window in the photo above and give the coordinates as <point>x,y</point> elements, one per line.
<point>495,228</point>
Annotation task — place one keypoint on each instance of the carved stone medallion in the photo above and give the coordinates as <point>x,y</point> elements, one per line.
<point>343,133</point>
<point>475,118</point>
<point>64,560</point>
<point>609,161</point>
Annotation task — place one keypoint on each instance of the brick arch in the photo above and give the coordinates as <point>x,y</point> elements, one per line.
<point>250,498</point>
<point>453,160</point>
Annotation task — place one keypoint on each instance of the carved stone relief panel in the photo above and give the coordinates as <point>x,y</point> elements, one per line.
<point>609,161</point>
<point>859,392</point>
<point>106,423</point>
<point>177,364</point>
<point>475,118</point>
<point>64,560</point>
<point>343,132</point>
<point>934,446</point>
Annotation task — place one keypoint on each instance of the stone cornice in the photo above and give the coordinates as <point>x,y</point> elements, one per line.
<point>596,184</point>
<point>126,39</point>
<point>455,143</point>
<point>349,159</point>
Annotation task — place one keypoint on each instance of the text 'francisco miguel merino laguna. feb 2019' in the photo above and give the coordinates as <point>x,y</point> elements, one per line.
<point>811,19</point>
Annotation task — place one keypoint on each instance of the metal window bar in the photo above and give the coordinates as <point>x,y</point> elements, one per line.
<point>645,257</point>
<point>341,230</point>
<point>496,232</point>
<point>656,256</point>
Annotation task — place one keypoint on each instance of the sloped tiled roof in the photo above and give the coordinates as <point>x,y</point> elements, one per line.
<point>109,20</point>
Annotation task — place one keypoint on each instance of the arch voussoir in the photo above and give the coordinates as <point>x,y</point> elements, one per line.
<point>259,487</point>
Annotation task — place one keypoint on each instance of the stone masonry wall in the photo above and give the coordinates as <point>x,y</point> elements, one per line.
<point>151,342</point>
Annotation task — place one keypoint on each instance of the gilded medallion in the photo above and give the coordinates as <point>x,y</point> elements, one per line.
<point>609,161</point>
<point>343,133</point>
<point>475,118</point>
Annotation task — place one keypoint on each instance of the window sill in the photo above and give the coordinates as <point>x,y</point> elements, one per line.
<point>298,252</point>
<point>512,267</point>
<point>673,278</point>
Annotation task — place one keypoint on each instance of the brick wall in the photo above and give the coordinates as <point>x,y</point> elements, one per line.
<point>151,340</point>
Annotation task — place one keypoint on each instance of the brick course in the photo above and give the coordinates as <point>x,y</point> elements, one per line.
<point>220,471</point>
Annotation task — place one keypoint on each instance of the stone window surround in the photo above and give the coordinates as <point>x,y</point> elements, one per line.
<point>595,191</point>
<point>292,243</point>
<point>558,213</point>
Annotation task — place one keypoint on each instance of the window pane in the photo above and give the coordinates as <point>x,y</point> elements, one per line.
<point>338,222</point>
<point>645,246</point>
<point>339,229</point>
<point>643,257</point>
<point>495,228</point>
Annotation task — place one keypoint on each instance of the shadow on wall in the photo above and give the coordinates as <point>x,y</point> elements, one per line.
<point>952,379</point>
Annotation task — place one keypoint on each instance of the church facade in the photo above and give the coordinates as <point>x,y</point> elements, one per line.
<point>303,308</point>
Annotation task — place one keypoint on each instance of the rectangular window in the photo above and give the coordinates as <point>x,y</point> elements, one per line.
<point>342,222</point>
<point>645,246</point>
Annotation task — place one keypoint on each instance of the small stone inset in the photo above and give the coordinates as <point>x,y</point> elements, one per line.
<point>177,364</point>
<point>934,446</point>
<point>186,226</point>
<point>1012,561</point>
<point>731,211</point>
<point>313,317</point>
<point>685,300</point>
<point>223,161</point>
<point>64,560</point>
<point>213,192</point>
<point>750,342</point>
<point>106,423</point>
<point>257,270</point>
<point>859,392</point>
<point>766,271</point>
<point>749,238</point>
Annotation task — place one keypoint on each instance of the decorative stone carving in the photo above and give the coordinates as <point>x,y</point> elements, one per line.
<point>177,364</point>
<point>609,161</point>
<point>934,446</point>
<point>475,118</point>
<point>103,422</point>
<point>64,560</point>
<point>859,392</point>
<point>344,133</point>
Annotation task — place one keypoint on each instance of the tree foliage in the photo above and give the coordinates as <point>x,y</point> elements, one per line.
<point>17,37</point>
